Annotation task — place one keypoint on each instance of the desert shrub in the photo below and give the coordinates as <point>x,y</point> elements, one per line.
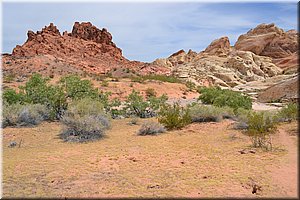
<point>161,77</point>
<point>84,121</point>
<point>12,97</point>
<point>190,85</point>
<point>289,112</point>
<point>240,125</point>
<point>151,128</point>
<point>174,116</point>
<point>208,113</point>
<point>260,127</point>
<point>150,92</point>
<point>104,83</point>
<point>38,91</point>
<point>137,106</point>
<point>155,103</point>
<point>9,78</point>
<point>137,79</point>
<point>24,115</point>
<point>219,97</point>
<point>76,88</point>
<point>133,121</point>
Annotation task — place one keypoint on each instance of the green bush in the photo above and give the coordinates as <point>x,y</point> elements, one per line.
<point>151,128</point>
<point>12,97</point>
<point>158,77</point>
<point>137,106</point>
<point>289,112</point>
<point>220,98</point>
<point>24,115</point>
<point>76,88</point>
<point>38,91</point>
<point>260,127</point>
<point>174,116</point>
<point>163,78</point>
<point>84,121</point>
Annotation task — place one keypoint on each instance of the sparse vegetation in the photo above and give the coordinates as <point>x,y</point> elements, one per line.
<point>190,85</point>
<point>104,83</point>
<point>151,128</point>
<point>150,92</point>
<point>24,115</point>
<point>84,121</point>
<point>261,125</point>
<point>158,77</point>
<point>289,113</point>
<point>174,116</point>
<point>137,106</point>
<point>208,113</point>
<point>133,121</point>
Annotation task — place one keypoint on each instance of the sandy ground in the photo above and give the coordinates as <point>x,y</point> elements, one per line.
<point>201,160</point>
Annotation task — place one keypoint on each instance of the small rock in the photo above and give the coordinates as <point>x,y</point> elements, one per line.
<point>12,144</point>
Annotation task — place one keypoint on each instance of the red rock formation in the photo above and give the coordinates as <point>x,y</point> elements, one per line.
<point>86,47</point>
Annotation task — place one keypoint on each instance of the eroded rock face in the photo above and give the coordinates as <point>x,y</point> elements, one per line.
<point>87,48</point>
<point>269,40</point>
<point>220,64</point>
<point>220,47</point>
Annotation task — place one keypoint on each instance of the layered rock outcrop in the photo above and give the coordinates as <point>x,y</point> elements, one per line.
<point>220,64</point>
<point>269,40</point>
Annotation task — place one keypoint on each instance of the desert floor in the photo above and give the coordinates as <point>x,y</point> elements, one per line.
<point>201,160</point>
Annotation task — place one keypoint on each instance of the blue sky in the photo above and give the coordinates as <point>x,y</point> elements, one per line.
<point>146,31</point>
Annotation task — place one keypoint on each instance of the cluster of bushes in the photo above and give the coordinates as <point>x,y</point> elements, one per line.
<point>158,77</point>
<point>223,97</point>
<point>208,113</point>
<point>23,115</point>
<point>136,105</point>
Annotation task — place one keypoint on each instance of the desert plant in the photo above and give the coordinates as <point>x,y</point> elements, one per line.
<point>38,91</point>
<point>219,97</point>
<point>150,92</point>
<point>190,85</point>
<point>174,116</point>
<point>12,97</point>
<point>161,77</point>
<point>151,128</point>
<point>261,125</point>
<point>75,88</point>
<point>84,121</point>
<point>289,112</point>
<point>133,121</point>
<point>137,79</point>
<point>24,115</point>
<point>209,113</point>
<point>137,106</point>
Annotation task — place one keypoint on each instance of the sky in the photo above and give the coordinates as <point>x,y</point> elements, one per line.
<point>147,31</point>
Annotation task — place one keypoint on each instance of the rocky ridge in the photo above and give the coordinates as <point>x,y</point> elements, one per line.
<point>258,55</point>
<point>86,49</point>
